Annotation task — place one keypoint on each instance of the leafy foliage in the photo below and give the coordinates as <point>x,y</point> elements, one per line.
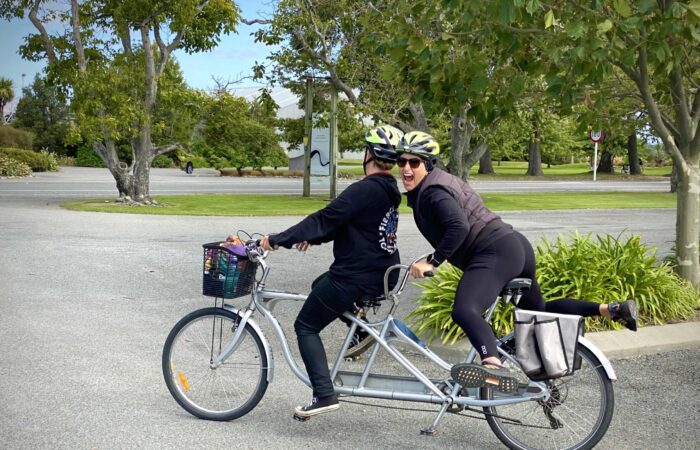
<point>10,167</point>
<point>601,269</point>
<point>37,161</point>
<point>114,59</point>
<point>44,111</point>
<point>7,93</point>
<point>86,157</point>
<point>162,161</point>
<point>14,138</point>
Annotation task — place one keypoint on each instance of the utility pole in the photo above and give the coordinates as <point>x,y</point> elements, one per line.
<point>307,138</point>
<point>334,142</point>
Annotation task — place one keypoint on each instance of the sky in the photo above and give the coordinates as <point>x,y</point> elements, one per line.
<point>232,59</point>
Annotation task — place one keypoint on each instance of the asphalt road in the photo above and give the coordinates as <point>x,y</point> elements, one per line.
<point>78,182</point>
<point>87,299</point>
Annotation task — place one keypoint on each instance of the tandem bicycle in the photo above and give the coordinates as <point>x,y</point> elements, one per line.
<point>217,363</point>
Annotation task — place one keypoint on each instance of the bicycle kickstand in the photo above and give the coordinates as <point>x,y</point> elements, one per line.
<point>433,428</point>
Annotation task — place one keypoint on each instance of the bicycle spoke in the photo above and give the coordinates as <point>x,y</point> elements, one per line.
<point>221,393</point>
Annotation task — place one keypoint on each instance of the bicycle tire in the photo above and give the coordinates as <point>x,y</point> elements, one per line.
<point>227,392</point>
<point>586,391</point>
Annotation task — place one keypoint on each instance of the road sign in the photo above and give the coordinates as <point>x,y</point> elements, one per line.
<point>595,136</point>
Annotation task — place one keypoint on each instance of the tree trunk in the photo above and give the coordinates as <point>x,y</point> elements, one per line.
<point>485,163</point>
<point>534,160</point>
<point>687,226</point>
<point>472,157</point>
<point>674,178</point>
<point>632,155</point>
<point>460,135</point>
<point>606,163</point>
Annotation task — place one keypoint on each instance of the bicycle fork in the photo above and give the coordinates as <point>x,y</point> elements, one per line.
<point>235,340</point>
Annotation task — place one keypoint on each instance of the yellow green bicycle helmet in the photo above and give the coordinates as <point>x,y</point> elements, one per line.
<point>420,144</point>
<point>381,142</point>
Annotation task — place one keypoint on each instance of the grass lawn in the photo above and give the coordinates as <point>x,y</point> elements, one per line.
<point>515,170</point>
<point>283,205</point>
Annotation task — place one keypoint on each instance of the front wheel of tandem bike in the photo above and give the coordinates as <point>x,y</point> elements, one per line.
<point>576,416</point>
<point>223,393</point>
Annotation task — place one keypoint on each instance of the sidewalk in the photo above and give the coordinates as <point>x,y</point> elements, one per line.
<point>615,344</point>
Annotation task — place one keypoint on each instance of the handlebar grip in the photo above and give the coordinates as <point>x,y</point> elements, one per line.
<point>429,273</point>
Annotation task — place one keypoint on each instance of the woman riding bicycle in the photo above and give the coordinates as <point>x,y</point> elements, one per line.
<point>362,224</point>
<point>453,218</point>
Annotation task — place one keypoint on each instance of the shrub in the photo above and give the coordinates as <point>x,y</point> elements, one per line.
<point>602,270</point>
<point>12,137</point>
<point>51,160</point>
<point>10,167</point>
<point>162,162</point>
<point>38,162</point>
<point>68,161</point>
<point>86,157</point>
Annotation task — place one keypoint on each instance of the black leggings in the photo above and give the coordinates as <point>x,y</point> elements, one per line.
<point>493,263</point>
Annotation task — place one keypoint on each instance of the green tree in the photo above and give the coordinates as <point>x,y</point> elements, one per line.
<point>578,44</point>
<point>339,40</point>
<point>113,59</point>
<point>44,111</point>
<point>7,94</point>
<point>235,136</point>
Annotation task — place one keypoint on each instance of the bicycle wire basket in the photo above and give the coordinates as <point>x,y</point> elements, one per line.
<point>226,274</point>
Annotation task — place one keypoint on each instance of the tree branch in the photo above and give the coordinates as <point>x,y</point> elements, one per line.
<point>655,114</point>
<point>256,21</point>
<point>630,72</point>
<point>420,121</point>
<point>48,45</point>
<point>150,97</point>
<point>165,149</point>
<point>680,103</point>
<point>125,37</point>
<point>77,39</point>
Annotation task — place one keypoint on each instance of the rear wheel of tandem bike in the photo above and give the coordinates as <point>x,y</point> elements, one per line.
<point>228,391</point>
<point>576,416</point>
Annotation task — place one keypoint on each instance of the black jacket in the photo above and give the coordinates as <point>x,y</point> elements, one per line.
<point>362,223</point>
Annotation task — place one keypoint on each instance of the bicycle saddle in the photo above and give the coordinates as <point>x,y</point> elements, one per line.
<point>370,301</point>
<point>517,284</point>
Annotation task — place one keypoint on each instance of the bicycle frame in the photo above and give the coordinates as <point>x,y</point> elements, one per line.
<point>387,333</point>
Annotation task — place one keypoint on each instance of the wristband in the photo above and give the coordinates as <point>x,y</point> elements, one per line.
<point>431,259</point>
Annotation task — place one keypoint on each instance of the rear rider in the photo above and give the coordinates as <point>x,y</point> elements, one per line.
<point>362,224</point>
<point>453,218</point>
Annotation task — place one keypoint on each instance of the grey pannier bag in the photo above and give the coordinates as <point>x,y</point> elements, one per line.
<point>546,344</point>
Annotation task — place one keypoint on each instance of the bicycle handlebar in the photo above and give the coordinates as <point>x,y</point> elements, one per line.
<point>257,254</point>
<point>402,284</point>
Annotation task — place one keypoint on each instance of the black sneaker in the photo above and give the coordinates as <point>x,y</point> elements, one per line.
<point>483,376</point>
<point>625,312</point>
<point>317,406</point>
<point>360,343</point>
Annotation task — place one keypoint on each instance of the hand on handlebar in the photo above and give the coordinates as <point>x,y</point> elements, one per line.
<point>265,243</point>
<point>421,269</point>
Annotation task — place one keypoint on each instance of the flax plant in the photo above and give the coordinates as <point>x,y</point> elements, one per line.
<point>600,268</point>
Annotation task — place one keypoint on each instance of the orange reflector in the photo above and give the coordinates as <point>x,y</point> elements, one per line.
<point>183,380</point>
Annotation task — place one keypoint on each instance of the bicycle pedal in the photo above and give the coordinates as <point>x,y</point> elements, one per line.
<point>353,358</point>
<point>301,418</point>
<point>430,431</point>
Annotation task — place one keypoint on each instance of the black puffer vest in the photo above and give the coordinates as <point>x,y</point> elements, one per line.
<point>477,214</point>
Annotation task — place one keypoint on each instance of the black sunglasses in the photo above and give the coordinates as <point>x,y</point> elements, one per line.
<point>413,162</point>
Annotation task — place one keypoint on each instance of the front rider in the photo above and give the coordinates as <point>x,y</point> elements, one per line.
<point>362,224</point>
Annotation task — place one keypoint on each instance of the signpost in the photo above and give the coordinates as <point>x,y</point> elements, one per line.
<point>320,144</point>
<point>595,136</point>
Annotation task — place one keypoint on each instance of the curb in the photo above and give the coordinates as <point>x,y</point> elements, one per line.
<point>615,344</point>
